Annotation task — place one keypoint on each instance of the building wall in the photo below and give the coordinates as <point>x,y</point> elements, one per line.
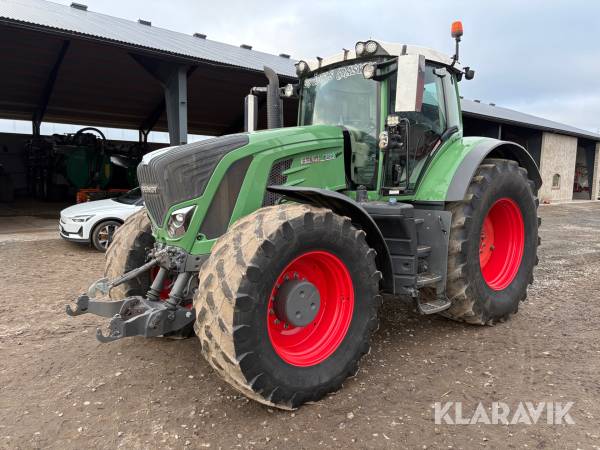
<point>557,158</point>
<point>596,183</point>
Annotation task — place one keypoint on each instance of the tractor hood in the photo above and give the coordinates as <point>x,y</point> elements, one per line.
<point>174,175</point>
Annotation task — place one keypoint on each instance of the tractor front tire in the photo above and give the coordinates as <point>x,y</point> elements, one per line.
<point>493,244</point>
<point>267,263</point>
<point>128,251</point>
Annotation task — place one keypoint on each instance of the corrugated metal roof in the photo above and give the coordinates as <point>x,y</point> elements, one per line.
<point>61,17</point>
<point>53,16</point>
<point>505,115</point>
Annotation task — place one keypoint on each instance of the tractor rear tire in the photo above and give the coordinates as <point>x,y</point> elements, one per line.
<point>493,244</point>
<point>264,355</point>
<point>129,250</point>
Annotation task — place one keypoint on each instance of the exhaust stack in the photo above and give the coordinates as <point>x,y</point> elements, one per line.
<point>274,102</point>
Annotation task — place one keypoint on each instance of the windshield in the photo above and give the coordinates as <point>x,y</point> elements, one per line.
<point>342,96</point>
<point>131,197</point>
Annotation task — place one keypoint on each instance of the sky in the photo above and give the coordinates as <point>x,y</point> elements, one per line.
<point>538,57</point>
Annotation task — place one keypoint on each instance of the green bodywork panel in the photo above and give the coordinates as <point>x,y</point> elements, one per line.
<point>317,161</point>
<point>440,171</point>
<point>317,154</point>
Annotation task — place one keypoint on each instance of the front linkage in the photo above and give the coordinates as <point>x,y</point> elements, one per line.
<point>144,316</point>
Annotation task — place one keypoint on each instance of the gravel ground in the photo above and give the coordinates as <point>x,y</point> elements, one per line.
<point>60,388</point>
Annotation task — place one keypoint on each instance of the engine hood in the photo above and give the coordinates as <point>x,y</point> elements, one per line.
<point>295,135</point>
<point>174,175</point>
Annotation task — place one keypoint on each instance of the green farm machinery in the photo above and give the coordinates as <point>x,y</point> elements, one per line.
<point>275,247</point>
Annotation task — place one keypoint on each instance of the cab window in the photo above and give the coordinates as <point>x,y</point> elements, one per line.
<point>426,127</point>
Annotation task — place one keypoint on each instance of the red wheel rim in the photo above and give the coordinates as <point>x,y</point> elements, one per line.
<point>315,342</point>
<point>501,244</point>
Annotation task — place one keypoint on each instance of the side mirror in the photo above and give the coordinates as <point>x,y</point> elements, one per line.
<point>410,83</point>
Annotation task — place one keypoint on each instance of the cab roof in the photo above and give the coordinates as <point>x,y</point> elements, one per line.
<point>384,48</point>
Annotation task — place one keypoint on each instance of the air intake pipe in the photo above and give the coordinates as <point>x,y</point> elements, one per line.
<point>274,102</point>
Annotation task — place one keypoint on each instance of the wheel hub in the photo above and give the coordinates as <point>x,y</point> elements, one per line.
<point>297,302</point>
<point>310,308</point>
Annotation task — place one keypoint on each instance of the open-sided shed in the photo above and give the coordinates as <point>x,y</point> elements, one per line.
<point>70,65</point>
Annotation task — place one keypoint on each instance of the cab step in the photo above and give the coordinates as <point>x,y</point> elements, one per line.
<point>423,251</point>
<point>433,306</point>
<point>427,279</point>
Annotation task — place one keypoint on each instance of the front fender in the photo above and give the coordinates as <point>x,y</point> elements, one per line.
<point>448,176</point>
<point>345,206</point>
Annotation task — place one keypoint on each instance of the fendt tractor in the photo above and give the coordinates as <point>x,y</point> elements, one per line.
<point>275,247</point>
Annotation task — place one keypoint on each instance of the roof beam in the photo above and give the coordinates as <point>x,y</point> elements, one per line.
<point>150,122</point>
<point>40,111</point>
<point>173,78</point>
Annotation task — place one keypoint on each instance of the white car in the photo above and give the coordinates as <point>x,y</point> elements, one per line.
<point>96,222</point>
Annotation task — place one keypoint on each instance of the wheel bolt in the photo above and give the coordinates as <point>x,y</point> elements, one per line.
<point>286,326</point>
<point>271,311</point>
<point>276,322</point>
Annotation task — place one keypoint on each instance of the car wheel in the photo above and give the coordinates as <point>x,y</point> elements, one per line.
<point>103,234</point>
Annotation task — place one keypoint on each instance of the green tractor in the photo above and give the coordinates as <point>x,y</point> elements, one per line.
<point>275,246</point>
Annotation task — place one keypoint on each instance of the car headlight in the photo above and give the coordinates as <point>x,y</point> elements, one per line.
<point>179,221</point>
<point>81,219</point>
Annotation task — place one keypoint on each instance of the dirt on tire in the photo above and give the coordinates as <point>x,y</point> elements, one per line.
<point>472,301</point>
<point>128,251</point>
<point>225,293</point>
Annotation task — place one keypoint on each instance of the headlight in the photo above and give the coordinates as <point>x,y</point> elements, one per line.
<point>301,68</point>
<point>369,71</point>
<point>80,219</point>
<point>371,47</point>
<point>359,48</point>
<point>288,90</point>
<point>179,221</point>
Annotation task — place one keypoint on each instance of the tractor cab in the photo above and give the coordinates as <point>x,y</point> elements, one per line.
<point>396,103</point>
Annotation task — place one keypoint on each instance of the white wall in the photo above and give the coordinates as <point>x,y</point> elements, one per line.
<point>558,156</point>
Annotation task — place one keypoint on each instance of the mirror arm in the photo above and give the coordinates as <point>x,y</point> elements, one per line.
<point>448,133</point>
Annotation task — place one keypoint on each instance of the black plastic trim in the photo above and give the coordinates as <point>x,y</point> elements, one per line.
<point>182,173</point>
<point>217,218</point>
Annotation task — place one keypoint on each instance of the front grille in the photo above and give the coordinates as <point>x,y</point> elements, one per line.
<point>182,173</point>
<point>154,202</point>
<point>276,178</point>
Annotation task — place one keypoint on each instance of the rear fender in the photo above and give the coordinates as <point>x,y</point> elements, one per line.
<point>448,176</point>
<point>345,206</point>
<point>490,149</point>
